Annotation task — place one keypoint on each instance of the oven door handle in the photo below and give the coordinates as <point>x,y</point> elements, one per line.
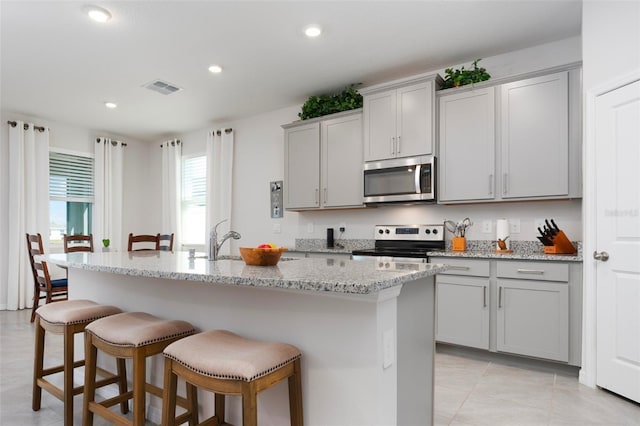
<point>417,178</point>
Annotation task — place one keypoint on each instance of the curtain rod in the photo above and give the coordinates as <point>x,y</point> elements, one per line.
<point>229,130</point>
<point>173,142</point>
<point>26,126</point>
<point>113,142</point>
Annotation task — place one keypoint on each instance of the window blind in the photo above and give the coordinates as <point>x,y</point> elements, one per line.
<point>70,177</point>
<point>194,176</point>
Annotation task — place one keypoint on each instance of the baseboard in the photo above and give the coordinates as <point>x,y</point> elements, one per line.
<point>510,360</point>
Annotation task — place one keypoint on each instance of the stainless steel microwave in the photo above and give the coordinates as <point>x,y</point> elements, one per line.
<point>400,180</point>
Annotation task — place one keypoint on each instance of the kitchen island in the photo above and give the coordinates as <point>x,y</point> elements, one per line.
<point>367,335</point>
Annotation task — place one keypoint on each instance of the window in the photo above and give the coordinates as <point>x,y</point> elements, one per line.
<point>194,199</point>
<point>70,195</point>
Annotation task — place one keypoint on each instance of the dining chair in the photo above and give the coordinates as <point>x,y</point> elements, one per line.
<point>79,242</point>
<point>44,286</point>
<point>165,242</point>
<point>145,240</point>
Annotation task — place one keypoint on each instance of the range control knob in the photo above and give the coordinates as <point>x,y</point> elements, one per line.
<point>386,231</point>
<point>380,231</point>
<point>435,231</point>
<point>427,231</point>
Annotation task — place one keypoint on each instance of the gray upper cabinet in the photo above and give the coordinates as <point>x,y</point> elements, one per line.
<point>399,119</point>
<point>323,162</point>
<point>302,166</point>
<point>520,140</point>
<point>467,146</point>
<point>342,175</point>
<point>535,137</point>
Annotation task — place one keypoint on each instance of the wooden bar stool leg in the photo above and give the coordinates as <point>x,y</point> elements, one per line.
<point>220,407</point>
<point>37,366</point>
<point>139,384</point>
<point>295,395</point>
<point>249,404</point>
<point>121,370</point>
<point>192,400</point>
<point>169,394</point>
<point>90,355</point>
<point>36,302</point>
<point>68,375</point>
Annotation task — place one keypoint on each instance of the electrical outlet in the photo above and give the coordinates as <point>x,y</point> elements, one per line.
<point>276,228</point>
<point>310,228</point>
<point>342,227</point>
<point>486,226</point>
<point>514,226</point>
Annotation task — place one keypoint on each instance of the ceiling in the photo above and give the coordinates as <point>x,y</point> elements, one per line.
<point>58,65</point>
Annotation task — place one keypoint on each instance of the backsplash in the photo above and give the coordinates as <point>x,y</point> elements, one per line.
<point>520,247</point>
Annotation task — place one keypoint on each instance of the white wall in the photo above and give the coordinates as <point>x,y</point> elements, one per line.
<point>611,51</point>
<point>259,157</point>
<point>141,176</point>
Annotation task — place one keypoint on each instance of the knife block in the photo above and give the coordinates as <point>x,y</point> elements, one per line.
<point>561,245</point>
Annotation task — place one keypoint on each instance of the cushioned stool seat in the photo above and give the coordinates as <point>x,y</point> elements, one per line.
<point>66,318</point>
<point>134,335</point>
<point>227,364</point>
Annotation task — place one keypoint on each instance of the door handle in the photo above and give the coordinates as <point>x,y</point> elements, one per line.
<point>530,271</point>
<point>398,145</point>
<point>603,256</point>
<point>317,196</point>
<point>491,184</point>
<point>458,268</point>
<point>499,297</point>
<point>392,142</point>
<point>484,296</point>
<point>325,196</point>
<point>505,185</point>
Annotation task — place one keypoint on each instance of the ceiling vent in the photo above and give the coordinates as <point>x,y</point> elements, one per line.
<point>162,87</point>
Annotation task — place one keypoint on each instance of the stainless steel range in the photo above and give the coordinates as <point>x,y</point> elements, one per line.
<point>403,243</point>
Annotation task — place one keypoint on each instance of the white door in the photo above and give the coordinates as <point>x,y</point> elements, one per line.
<point>617,145</point>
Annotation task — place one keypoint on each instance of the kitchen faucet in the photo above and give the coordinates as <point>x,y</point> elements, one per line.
<point>214,245</point>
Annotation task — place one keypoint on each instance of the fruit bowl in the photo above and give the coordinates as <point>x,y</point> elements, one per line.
<point>261,256</point>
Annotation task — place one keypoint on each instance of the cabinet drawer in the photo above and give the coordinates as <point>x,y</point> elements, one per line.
<point>476,268</point>
<point>541,271</point>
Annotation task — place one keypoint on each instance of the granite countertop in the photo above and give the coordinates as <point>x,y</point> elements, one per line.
<point>490,254</point>
<point>481,249</point>
<point>316,275</point>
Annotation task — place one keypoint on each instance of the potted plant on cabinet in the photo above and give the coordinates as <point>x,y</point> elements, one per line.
<point>106,243</point>
<point>317,106</point>
<point>462,76</point>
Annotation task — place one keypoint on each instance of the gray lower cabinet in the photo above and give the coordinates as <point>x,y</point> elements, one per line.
<point>531,308</point>
<point>462,310</point>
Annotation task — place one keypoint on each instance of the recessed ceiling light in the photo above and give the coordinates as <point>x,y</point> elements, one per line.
<point>216,69</point>
<point>312,31</point>
<point>97,13</point>
<point>111,105</point>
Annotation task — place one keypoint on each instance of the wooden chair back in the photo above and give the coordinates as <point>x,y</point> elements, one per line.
<point>166,242</point>
<point>44,286</point>
<point>74,243</point>
<point>145,240</point>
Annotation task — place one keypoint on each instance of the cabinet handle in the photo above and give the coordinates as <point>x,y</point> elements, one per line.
<point>484,296</point>
<point>317,196</point>
<point>505,186</point>
<point>499,297</point>
<point>530,271</point>
<point>392,143</point>
<point>459,268</point>
<point>398,145</point>
<point>491,184</point>
<point>325,196</point>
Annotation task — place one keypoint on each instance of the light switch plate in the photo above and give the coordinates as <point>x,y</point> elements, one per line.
<point>486,226</point>
<point>276,199</point>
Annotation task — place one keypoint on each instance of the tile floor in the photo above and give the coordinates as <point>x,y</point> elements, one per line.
<point>469,390</point>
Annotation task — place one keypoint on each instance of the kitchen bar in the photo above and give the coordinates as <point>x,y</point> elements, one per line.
<point>367,335</point>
